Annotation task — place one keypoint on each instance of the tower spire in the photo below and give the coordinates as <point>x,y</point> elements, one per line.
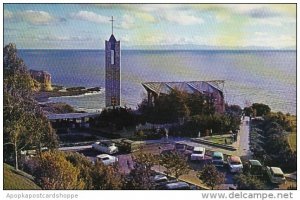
<point>112,24</point>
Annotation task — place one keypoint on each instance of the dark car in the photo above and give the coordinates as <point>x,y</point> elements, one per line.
<point>180,146</point>
<point>256,168</point>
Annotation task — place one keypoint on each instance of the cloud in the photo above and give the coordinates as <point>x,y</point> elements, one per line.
<point>162,38</point>
<point>261,33</point>
<point>274,21</point>
<point>182,18</point>
<point>32,17</point>
<point>259,11</point>
<point>37,17</point>
<point>274,41</point>
<point>222,17</point>
<point>8,14</point>
<point>91,17</point>
<point>157,7</point>
<point>138,20</point>
<point>127,22</point>
<point>262,13</point>
<point>57,38</point>
<point>146,17</point>
<point>125,38</point>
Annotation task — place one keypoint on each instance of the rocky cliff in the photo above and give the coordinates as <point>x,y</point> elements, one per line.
<point>42,80</point>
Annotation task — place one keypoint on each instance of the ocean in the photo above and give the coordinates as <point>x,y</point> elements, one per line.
<point>250,76</point>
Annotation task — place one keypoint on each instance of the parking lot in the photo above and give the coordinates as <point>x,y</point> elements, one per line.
<point>125,163</point>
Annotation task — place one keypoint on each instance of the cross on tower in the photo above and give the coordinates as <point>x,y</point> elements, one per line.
<point>112,24</point>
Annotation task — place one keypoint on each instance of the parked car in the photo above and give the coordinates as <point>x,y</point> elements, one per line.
<point>235,164</point>
<point>105,147</point>
<point>180,146</point>
<point>127,146</point>
<point>176,186</point>
<point>198,153</point>
<point>276,175</point>
<point>255,168</point>
<point>160,180</point>
<point>218,159</point>
<point>107,159</point>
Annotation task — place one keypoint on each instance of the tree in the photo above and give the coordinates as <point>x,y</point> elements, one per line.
<point>175,106</point>
<point>175,163</point>
<point>200,104</point>
<point>280,119</point>
<point>140,177</point>
<point>96,176</point>
<point>117,117</point>
<point>106,177</point>
<point>261,109</point>
<point>234,110</point>
<point>55,172</point>
<point>248,111</point>
<point>211,176</point>
<point>248,182</point>
<point>16,79</point>
<point>85,167</point>
<point>25,125</point>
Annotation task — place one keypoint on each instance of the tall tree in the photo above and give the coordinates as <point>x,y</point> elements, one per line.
<point>261,109</point>
<point>106,177</point>
<point>175,163</point>
<point>140,177</point>
<point>55,172</point>
<point>24,122</point>
<point>211,176</point>
<point>248,182</point>
<point>85,167</point>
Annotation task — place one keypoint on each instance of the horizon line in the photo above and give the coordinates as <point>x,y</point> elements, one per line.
<point>175,49</point>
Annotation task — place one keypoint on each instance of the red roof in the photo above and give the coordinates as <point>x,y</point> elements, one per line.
<point>235,159</point>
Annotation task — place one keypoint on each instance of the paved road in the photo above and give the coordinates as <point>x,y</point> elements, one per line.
<point>152,146</point>
<point>75,148</point>
<point>244,139</point>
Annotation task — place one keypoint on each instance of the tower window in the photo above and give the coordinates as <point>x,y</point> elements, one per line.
<point>112,57</point>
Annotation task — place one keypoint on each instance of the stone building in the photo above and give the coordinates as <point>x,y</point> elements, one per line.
<point>210,88</point>
<point>112,72</point>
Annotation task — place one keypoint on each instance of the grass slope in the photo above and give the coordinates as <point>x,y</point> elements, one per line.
<point>292,138</point>
<point>17,180</point>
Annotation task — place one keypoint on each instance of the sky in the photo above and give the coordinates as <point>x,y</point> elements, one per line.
<point>151,26</point>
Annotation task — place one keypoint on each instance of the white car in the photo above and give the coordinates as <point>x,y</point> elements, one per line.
<point>235,164</point>
<point>198,153</point>
<point>105,147</point>
<point>276,175</point>
<point>159,179</point>
<point>107,159</point>
<point>176,186</point>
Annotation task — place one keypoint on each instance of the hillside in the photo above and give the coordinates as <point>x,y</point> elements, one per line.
<point>17,180</point>
<point>292,137</point>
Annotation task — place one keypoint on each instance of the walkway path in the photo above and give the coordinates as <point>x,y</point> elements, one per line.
<point>243,149</point>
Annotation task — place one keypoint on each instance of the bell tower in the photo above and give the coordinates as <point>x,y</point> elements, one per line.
<point>112,71</point>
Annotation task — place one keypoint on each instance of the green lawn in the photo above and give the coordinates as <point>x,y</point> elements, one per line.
<point>220,139</point>
<point>17,180</point>
<point>292,138</point>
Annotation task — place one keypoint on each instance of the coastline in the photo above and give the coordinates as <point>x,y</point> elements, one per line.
<point>59,91</point>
